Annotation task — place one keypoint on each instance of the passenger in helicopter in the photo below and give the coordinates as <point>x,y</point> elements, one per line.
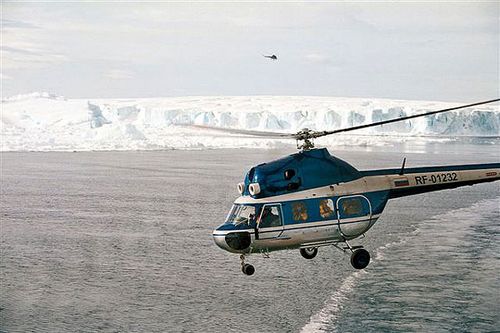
<point>326,208</point>
<point>299,210</point>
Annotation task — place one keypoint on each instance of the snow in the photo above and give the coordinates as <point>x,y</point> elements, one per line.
<point>43,121</point>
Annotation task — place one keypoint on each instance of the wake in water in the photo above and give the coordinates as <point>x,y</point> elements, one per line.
<point>329,313</point>
<point>441,236</point>
<point>333,306</point>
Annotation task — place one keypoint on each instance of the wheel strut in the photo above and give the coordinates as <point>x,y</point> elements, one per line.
<point>360,258</point>
<point>247,269</point>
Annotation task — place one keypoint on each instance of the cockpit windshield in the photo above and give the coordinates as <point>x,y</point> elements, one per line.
<point>241,214</point>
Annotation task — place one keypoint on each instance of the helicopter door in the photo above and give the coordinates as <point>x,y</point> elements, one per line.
<point>354,215</point>
<point>270,222</point>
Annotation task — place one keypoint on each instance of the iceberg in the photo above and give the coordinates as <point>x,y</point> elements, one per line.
<point>43,121</point>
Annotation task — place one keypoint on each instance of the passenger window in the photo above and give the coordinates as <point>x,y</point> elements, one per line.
<point>352,206</point>
<point>299,211</point>
<point>326,208</point>
<point>270,217</point>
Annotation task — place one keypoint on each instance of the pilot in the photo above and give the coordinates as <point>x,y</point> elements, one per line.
<point>251,219</point>
<point>269,219</point>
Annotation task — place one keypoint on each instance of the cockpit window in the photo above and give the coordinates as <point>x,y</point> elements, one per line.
<point>270,217</point>
<point>241,214</point>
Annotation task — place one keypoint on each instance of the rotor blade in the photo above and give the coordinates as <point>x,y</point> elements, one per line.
<point>246,132</point>
<point>323,133</point>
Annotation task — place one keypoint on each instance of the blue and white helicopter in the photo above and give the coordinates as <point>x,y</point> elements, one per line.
<point>312,199</point>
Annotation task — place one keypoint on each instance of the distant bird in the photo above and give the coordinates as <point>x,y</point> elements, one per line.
<point>273,57</point>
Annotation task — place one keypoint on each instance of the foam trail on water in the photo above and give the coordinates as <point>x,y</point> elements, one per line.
<point>319,321</point>
<point>329,313</point>
<point>380,254</point>
<point>325,319</point>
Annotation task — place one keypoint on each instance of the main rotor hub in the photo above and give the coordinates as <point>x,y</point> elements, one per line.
<point>306,135</point>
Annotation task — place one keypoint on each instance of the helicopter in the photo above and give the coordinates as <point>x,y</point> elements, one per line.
<point>272,57</point>
<point>312,199</point>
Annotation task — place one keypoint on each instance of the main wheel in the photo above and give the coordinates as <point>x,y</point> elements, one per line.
<point>248,269</point>
<point>309,252</point>
<point>360,258</point>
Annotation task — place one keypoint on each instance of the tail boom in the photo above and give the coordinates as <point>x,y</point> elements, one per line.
<point>428,179</point>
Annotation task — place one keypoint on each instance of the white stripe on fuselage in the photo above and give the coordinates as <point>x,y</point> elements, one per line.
<point>374,184</point>
<point>303,225</point>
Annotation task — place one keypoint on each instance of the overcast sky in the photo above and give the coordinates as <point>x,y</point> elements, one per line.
<point>427,51</point>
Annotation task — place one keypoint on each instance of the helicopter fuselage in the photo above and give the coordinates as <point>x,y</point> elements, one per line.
<point>311,198</point>
<point>328,201</point>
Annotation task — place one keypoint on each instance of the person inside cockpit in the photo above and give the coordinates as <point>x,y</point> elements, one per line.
<point>269,218</point>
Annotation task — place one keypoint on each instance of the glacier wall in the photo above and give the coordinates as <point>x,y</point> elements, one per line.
<point>42,121</point>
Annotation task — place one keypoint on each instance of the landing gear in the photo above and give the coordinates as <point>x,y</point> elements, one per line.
<point>360,258</point>
<point>309,252</point>
<point>247,269</point>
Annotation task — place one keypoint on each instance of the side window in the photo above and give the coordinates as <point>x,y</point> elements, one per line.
<point>299,211</point>
<point>270,217</point>
<point>326,208</point>
<point>351,206</point>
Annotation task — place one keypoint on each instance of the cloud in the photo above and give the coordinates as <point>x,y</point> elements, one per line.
<point>5,77</point>
<point>213,48</point>
<point>28,57</point>
<point>26,45</point>
<point>462,17</point>
<point>318,58</point>
<point>16,24</point>
<point>119,74</point>
<point>18,51</point>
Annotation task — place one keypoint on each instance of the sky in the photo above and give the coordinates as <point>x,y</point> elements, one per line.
<point>444,51</point>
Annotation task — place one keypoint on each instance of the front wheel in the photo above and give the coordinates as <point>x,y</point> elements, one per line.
<point>360,258</point>
<point>248,269</point>
<point>309,252</point>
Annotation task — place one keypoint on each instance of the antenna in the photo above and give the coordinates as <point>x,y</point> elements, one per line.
<point>402,167</point>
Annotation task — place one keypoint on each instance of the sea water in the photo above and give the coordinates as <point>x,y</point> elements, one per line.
<point>121,242</point>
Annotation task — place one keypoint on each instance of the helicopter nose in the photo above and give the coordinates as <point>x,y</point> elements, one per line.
<point>233,242</point>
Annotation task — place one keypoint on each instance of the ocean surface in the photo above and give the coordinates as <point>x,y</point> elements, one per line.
<point>121,242</point>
